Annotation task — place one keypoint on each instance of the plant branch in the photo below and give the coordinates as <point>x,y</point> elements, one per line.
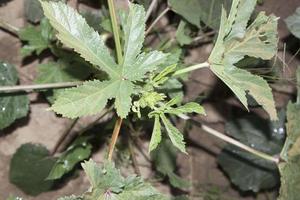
<point>115,28</point>
<point>66,141</point>
<point>191,68</point>
<point>8,27</point>
<point>31,88</point>
<point>150,9</point>
<point>156,20</point>
<point>231,140</point>
<point>114,138</point>
<point>64,135</point>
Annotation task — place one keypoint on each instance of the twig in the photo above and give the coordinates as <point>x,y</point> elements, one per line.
<point>200,37</point>
<point>150,9</point>
<point>114,138</point>
<point>64,135</point>
<point>231,140</point>
<point>133,157</point>
<point>115,28</point>
<point>157,20</point>
<point>10,28</point>
<point>31,88</point>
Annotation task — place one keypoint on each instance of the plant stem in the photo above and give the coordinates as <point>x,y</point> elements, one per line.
<point>157,20</point>
<point>191,68</point>
<point>8,27</point>
<point>115,28</point>
<point>31,88</point>
<point>114,138</point>
<point>66,141</point>
<point>150,9</point>
<point>231,140</point>
<point>64,135</point>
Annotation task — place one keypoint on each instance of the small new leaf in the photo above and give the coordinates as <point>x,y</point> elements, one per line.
<point>174,134</point>
<point>234,42</point>
<point>156,134</point>
<point>190,107</point>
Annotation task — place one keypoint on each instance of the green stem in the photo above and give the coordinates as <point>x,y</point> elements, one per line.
<point>115,28</point>
<point>191,68</point>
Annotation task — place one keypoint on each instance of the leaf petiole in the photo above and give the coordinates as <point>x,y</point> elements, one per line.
<point>191,68</point>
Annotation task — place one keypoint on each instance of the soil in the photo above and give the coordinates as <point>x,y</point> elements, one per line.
<point>200,166</point>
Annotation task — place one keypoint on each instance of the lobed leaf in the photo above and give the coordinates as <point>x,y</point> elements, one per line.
<point>74,32</point>
<point>38,39</point>
<point>107,183</point>
<point>234,42</point>
<point>87,99</point>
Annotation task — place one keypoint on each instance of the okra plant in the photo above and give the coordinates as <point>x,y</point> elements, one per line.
<point>130,80</point>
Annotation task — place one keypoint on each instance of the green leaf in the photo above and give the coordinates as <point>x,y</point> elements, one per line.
<point>74,32</point>
<point>92,96</point>
<point>242,82</point>
<point>195,11</point>
<point>33,10</point>
<point>29,168</point>
<point>13,106</point>
<point>174,134</point>
<point>164,158</point>
<point>156,134</point>
<point>290,179</point>
<point>190,107</point>
<point>107,183</point>
<point>145,62</point>
<point>60,71</point>
<point>181,36</point>
<point>79,150</point>
<point>292,143</point>
<point>81,100</point>
<point>134,31</point>
<point>123,97</point>
<point>289,170</point>
<point>234,42</point>
<point>247,171</point>
<point>38,38</point>
<point>293,23</point>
